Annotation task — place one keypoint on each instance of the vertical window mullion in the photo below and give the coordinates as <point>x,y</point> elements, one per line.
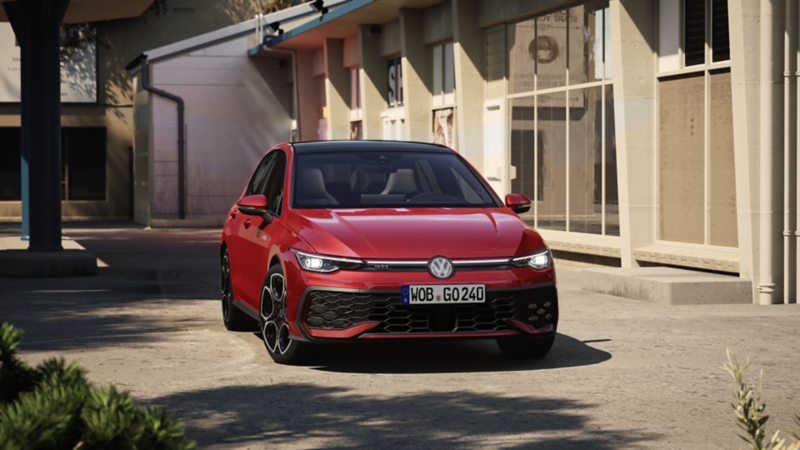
<point>603,161</point>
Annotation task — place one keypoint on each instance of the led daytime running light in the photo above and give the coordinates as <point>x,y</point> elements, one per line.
<point>539,261</point>
<point>326,264</point>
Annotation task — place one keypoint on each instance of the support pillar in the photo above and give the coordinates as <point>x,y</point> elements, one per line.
<point>38,30</point>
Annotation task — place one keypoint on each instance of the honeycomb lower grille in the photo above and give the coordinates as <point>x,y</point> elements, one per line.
<point>333,310</point>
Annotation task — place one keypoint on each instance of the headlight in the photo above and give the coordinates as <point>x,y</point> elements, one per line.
<point>539,261</point>
<point>326,264</point>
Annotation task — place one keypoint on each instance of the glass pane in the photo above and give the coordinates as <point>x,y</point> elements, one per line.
<point>495,62</point>
<point>586,43</point>
<point>585,162</point>
<point>552,161</point>
<point>521,56</point>
<point>86,159</point>
<point>374,179</point>
<point>612,191</point>
<point>720,40</point>
<point>694,29</point>
<point>551,50</point>
<point>722,201</point>
<point>681,159</point>
<point>11,163</point>
<point>523,150</point>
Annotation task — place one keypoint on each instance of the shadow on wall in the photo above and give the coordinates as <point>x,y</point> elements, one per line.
<point>335,417</point>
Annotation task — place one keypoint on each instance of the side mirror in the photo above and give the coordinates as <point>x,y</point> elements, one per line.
<point>255,205</point>
<point>518,203</point>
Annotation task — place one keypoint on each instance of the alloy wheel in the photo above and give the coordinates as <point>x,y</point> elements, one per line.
<point>227,291</point>
<point>274,320</point>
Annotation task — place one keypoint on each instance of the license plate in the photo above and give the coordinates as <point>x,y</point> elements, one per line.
<point>444,294</point>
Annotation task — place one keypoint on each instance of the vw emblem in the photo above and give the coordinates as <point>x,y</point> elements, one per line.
<point>440,267</point>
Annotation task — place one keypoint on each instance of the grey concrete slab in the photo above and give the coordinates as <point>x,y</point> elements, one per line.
<point>668,285</point>
<point>622,373</point>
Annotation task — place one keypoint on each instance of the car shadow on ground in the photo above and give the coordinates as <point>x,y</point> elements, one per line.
<point>447,356</point>
<point>311,416</point>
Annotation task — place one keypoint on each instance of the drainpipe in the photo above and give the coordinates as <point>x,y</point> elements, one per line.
<point>797,105</point>
<point>769,155</point>
<point>788,285</point>
<point>181,142</point>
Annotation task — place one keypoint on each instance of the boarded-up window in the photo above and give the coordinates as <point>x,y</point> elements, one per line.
<point>682,159</point>
<point>722,201</point>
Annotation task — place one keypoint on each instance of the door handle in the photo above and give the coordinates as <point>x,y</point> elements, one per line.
<point>233,214</point>
<point>247,223</point>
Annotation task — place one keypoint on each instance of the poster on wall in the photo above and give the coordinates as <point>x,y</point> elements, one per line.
<point>78,72</point>
<point>444,127</point>
<point>394,80</point>
<point>539,47</point>
<point>355,131</point>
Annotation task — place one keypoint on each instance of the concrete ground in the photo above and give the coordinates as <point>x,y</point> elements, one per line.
<point>622,373</point>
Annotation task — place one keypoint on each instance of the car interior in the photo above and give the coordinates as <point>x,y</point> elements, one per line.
<point>407,180</point>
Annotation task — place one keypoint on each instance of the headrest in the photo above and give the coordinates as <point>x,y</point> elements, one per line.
<point>401,182</point>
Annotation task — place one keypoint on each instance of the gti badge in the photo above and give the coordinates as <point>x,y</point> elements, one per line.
<point>440,267</point>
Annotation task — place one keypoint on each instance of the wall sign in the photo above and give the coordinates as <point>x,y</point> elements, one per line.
<point>394,79</point>
<point>78,74</point>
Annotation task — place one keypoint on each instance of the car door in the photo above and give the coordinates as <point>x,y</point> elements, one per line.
<point>257,233</point>
<point>238,246</point>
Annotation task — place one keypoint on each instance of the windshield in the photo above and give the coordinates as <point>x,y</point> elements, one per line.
<point>386,180</point>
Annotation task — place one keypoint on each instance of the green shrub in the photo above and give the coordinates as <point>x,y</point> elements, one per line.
<point>54,406</point>
<point>749,409</point>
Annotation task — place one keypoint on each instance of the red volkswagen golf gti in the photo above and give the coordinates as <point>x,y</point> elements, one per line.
<point>337,241</point>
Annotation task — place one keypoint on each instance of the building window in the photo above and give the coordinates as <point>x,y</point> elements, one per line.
<point>696,177</point>
<point>10,164</point>
<point>444,79</point>
<point>83,164</point>
<point>561,102</point>
<point>692,33</point>
<point>394,78</point>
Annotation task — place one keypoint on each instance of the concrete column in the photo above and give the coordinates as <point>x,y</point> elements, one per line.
<point>633,51</point>
<point>337,90</point>
<point>373,83</point>
<point>743,17</point>
<point>307,97</point>
<point>417,76</point>
<point>469,50</point>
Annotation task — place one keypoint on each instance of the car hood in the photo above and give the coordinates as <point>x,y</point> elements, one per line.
<point>420,233</point>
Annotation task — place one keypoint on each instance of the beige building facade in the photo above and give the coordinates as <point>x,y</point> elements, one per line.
<point>97,137</point>
<point>657,132</point>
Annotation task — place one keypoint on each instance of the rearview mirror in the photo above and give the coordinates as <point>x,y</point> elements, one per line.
<point>518,203</point>
<point>255,205</point>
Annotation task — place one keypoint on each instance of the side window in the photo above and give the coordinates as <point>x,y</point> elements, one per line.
<point>274,182</point>
<point>260,176</point>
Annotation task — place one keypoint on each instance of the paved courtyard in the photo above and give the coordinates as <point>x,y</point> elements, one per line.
<point>622,373</point>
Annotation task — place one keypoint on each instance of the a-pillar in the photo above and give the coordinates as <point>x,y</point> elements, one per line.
<point>37,28</point>
<point>633,44</point>
<point>337,90</point>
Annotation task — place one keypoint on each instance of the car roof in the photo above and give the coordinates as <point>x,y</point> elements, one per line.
<point>367,146</point>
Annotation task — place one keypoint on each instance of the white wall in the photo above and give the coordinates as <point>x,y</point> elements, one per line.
<point>237,108</point>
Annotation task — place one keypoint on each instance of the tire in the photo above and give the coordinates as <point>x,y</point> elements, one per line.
<point>525,347</point>
<point>234,318</point>
<point>274,322</point>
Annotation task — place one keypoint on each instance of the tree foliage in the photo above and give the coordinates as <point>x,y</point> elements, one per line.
<point>55,406</point>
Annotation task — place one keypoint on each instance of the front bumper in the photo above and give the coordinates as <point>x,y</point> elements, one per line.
<point>335,313</point>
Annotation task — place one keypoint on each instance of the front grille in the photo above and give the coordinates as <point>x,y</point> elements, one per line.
<point>332,310</point>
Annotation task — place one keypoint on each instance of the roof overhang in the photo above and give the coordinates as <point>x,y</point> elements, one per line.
<point>80,11</point>
<point>343,22</point>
